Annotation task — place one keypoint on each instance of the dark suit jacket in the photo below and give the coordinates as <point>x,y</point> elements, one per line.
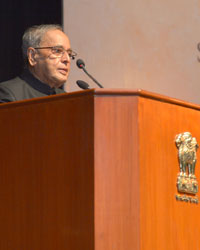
<point>25,87</point>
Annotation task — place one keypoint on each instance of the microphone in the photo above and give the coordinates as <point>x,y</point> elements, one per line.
<point>81,65</point>
<point>82,84</point>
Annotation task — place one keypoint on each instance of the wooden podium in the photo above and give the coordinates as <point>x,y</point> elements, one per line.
<point>95,170</point>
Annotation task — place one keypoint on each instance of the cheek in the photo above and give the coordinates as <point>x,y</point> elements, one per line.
<point>52,65</point>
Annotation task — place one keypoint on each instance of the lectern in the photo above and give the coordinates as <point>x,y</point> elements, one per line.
<point>96,170</point>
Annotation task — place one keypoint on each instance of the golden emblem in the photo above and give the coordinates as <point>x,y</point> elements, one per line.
<point>186,180</point>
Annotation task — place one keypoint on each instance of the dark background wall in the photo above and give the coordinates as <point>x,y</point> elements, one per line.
<point>15,17</point>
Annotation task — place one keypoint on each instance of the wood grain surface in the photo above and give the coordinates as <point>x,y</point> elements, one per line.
<point>46,174</point>
<point>165,222</point>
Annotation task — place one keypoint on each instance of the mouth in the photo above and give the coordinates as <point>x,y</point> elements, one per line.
<point>63,71</point>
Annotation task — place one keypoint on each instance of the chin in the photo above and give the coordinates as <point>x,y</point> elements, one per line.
<point>62,78</point>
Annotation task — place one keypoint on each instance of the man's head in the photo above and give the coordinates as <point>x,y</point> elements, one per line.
<point>47,52</point>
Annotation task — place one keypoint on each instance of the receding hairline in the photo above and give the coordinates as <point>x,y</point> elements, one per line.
<point>50,34</point>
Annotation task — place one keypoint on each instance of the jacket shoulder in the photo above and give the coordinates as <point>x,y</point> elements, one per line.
<point>10,89</point>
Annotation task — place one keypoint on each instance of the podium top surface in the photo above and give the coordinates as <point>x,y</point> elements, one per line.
<point>105,93</point>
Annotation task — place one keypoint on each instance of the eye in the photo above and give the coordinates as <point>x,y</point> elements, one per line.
<point>70,53</point>
<point>57,50</point>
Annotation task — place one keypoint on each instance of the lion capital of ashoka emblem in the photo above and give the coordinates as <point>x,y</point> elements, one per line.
<point>187,147</point>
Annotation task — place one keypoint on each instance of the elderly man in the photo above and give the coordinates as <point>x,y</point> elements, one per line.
<point>47,54</point>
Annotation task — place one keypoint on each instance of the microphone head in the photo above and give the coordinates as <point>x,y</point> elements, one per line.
<point>80,63</point>
<point>82,84</point>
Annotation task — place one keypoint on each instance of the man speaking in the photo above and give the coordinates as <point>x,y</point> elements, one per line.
<point>47,54</point>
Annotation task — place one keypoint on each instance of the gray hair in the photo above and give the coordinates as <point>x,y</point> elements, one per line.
<point>33,36</point>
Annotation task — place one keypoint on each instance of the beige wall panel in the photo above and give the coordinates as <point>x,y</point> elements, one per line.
<point>147,44</point>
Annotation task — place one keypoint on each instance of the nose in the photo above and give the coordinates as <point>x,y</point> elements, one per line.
<point>65,57</point>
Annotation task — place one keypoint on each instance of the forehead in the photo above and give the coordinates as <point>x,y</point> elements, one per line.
<point>55,38</point>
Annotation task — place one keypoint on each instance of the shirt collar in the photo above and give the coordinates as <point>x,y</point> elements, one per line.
<point>37,84</point>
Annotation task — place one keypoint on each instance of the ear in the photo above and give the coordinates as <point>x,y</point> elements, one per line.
<point>31,55</point>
